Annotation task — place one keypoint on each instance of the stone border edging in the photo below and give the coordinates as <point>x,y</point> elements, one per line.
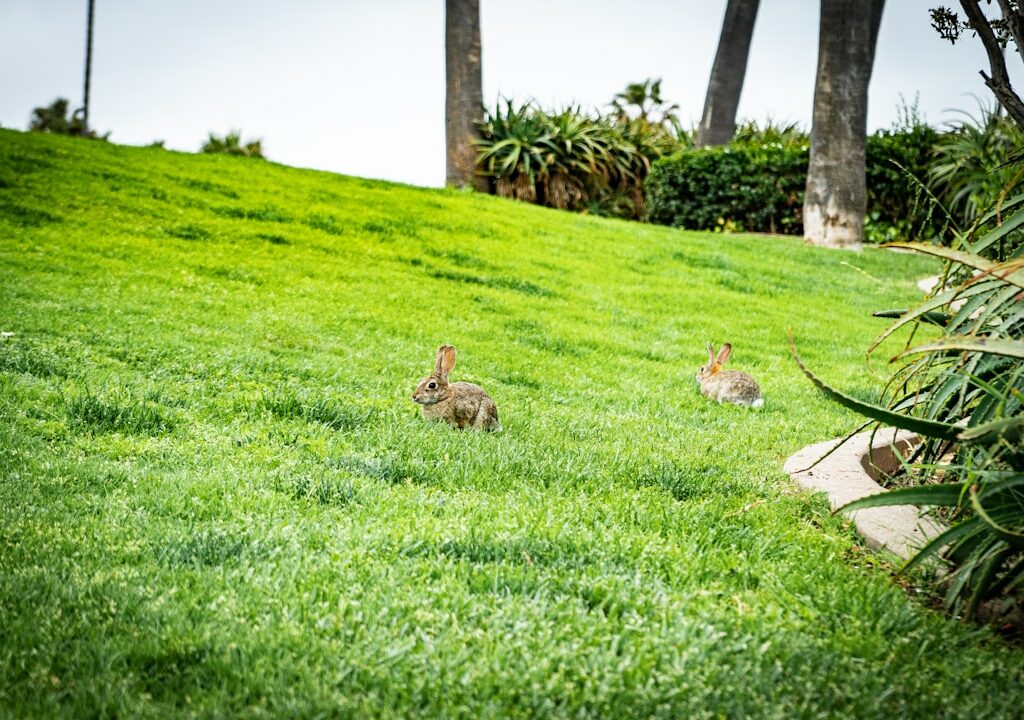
<point>849,474</point>
<point>927,284</point>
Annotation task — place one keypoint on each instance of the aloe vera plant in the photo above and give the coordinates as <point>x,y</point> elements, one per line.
<point>961,388</point>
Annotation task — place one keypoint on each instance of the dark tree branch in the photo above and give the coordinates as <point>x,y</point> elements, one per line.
<point>1015,22</point>
<point>999,82</point>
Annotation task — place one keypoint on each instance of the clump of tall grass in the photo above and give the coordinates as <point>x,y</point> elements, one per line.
<point>118,410</point>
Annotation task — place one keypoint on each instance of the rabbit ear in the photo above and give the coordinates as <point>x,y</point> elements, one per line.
<point>724,353</point>
<point>445,360</point>
<point>711,354</point>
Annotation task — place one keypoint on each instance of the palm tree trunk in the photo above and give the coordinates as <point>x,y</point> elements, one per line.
<point>718,122</point>
<point>464,92</point>
<point>88,68</point>
<point>835,200</point>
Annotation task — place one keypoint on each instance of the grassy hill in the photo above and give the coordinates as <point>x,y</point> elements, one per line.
<point>217,497</point>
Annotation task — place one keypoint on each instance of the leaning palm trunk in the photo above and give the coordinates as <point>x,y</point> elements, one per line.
<point>718,123</point>
<point>836,194</point>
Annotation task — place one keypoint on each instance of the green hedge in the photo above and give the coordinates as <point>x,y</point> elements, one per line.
<point>759,186</point>
<point>897,204</point>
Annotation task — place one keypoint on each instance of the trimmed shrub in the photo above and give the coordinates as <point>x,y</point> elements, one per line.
<point>756,184</point>
<point>744,186</point>
<point>898,163</point>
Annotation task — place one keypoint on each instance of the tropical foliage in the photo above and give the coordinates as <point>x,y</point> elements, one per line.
<point>572,160</point>
<point>962,390</point>
<point>643,102</point>
<point>231,144</point>
<point>637,161</point>
<point>959,379</point>
<point>972,167</point>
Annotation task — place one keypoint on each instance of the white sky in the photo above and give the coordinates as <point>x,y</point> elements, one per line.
<point>357,86</point>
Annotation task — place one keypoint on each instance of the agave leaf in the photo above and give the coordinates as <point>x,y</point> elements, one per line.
<point>999,303</point>
<point>1001,209</point>
<point>959,257</point>
<point>1012,319</point>
<point>951,535</point>
<point>972,314</point>
<point>935,317</point>
<point>965,569</point>
<point>1000,488</point>
<point>989,565</point>
<point>1009,225</point>
<point>948,495</point>
<point>921,426</point>
<point>990,345</point>
<point>1010,429</point>
<point>990,395</point>
<point>940,300</point>
<point>1011,271</point>
<point>937,397</point>
<point>1013,576</point>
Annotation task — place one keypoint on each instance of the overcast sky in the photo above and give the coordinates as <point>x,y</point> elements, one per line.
<point>357,86</point>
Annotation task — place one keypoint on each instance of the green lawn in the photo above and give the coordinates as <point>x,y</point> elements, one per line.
<point>217,497</point>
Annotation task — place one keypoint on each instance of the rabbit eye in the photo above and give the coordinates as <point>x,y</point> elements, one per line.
<point>431,386</point>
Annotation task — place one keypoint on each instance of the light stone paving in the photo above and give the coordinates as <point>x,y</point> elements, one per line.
<point>849,474</point>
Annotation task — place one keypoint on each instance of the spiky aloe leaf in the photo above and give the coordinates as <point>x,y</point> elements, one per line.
<point>935,317</point>
<point>1008,226</point>
<point>989,345</point>
<point>930,428</point>
<point>930,495</point>
<point>959,257</point>
<point>1001,489</point>
<point>985,577</point>
<point>1011,271</point>
<point>1009,429</point>
<point>940,300</point>
<point>1001,210</point>
<point>956,533</point>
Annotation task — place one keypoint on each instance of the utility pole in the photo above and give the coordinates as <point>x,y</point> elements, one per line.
<point>88,67</point>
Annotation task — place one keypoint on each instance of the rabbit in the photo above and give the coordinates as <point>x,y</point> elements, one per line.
<point>461,404</point>
<point>727,385</point>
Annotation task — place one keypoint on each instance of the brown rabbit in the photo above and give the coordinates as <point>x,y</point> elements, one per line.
<point>730,386</point>
<point>461,404</point>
